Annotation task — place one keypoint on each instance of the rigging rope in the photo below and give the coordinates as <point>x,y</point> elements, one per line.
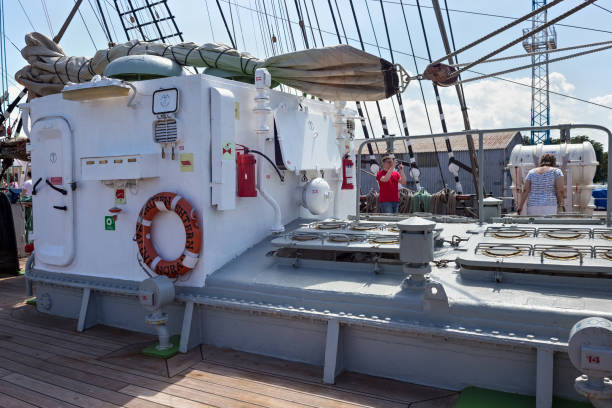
<point>383,119</point>
<point>298,7</point>
<point>44,4</point>
<point>452,167</point>
<point>229,33</point>
<point>530,54</point>
<point>240,26</point>
<point>107,31</point>
<point>416,67</point>
<point>414,171</point>
<point>500,30</point>
<point>289,25</point>
<point>516,41</point>
<point>87,29</point>
<point>565,57</point>
<point>314,39</point>
<point>27,16</point>
<point>321,31</point>
<point>4,86</point>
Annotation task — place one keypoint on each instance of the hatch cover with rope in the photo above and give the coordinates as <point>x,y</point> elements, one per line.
<point>193,236</point>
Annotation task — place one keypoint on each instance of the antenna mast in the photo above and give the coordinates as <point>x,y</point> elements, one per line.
<point>540,99</point>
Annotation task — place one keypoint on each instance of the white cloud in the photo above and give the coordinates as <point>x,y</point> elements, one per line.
<point>495,104</point>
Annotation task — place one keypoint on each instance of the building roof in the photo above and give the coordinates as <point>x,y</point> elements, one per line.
<point>492,141</point>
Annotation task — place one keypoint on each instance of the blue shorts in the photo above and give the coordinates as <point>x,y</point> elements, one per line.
<point>389,207</point>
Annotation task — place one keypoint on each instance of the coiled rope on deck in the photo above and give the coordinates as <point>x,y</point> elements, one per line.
<point>443,202</point>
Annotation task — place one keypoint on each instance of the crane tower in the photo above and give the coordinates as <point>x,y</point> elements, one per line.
<point>540,101</point>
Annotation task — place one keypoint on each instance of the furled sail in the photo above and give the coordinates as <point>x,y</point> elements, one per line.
<point>340,72</point>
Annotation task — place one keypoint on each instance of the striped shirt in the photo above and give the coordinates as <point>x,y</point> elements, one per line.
<point>543,187</point>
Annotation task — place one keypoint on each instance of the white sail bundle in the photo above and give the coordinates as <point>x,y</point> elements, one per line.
<point>334,73</point>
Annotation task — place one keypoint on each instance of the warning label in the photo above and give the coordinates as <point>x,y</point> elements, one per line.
<point>56,181</point>
<point>227,151</point>
<point>186,160</point>
<point>120,196</point>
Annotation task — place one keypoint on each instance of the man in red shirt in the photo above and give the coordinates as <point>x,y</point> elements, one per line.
<point>388,187</point>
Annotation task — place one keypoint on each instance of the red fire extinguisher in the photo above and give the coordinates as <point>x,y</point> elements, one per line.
<point>245,170</point>
<point>348,171</point>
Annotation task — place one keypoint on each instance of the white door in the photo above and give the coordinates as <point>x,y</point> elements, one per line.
<point>53,204</point>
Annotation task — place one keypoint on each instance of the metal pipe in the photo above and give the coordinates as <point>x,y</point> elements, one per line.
<point>483,131</point>
<point>480,193</point>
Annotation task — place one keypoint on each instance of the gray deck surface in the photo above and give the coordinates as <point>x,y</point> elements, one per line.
<point>354,290</point>
<point>45,363</point>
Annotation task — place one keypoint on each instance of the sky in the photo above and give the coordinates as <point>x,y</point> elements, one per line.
<point>492,103</point>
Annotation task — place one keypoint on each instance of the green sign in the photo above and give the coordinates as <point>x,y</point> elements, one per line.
<point>109,223</point>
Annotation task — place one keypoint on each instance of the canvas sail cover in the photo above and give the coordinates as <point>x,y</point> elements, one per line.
<point>340,72</point>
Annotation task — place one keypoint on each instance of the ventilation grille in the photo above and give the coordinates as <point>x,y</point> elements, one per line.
<point>165,131</point>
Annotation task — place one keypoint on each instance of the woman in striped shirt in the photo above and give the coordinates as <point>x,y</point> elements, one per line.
<point>543,189</point>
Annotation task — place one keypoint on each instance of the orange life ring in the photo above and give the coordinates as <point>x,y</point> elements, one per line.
<point>191,253</point>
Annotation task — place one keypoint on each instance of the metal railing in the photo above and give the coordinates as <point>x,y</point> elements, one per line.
<point>481,133</point>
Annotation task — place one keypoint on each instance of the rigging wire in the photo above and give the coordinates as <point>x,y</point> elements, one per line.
<point>44,4</point>
<point>314,10</point>
<point>414,168</point>
<point>229,33</point>
<point>289,25</point>
<point>383,118</point>
<point>564,58</point>
<point>471,70</point>
<point>513,42</point>
<point>278,31</point>
<point>331,9</point>
<point>477,13</point>
<point>105,28</point>
<point>240,26</point>
<point>314,39</point>
<point>232,21</point>
<point>87,29</point>
<point>298,8</point>
<point>416,67</point>
<point>27,16</point>
<point>260,18</point>
<point>110,19</point>
<point>530,54</point>
<point>450,29</point>
<point>3,66</point>
<point>454,170</point>
<point>271,36</point>
<point>98,19</point>
<point>210,25</point>
<point>603,8</point>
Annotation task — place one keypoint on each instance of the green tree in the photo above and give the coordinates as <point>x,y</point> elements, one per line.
<point>602,168</point>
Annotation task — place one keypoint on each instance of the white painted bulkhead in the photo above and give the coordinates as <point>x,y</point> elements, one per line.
<point>117,142</point>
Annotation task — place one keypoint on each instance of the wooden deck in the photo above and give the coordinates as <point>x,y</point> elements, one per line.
<point>45,363</point>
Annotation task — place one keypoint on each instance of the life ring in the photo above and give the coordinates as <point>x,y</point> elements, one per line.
<point>191,253</point>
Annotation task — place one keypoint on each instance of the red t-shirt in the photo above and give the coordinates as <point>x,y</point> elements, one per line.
<point>388,190</point>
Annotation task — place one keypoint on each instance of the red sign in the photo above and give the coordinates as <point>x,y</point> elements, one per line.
<point>120,194</point>
<point>56,181</point>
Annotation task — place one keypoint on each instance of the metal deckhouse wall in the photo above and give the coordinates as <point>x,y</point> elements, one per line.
<point>540,101</point>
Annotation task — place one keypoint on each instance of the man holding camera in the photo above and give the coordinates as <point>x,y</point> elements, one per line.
<point>388,184</point>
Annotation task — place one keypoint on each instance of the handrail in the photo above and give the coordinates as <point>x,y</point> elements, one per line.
<point>480,133</point>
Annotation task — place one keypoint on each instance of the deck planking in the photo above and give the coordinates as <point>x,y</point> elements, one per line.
<point>45,363</point>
